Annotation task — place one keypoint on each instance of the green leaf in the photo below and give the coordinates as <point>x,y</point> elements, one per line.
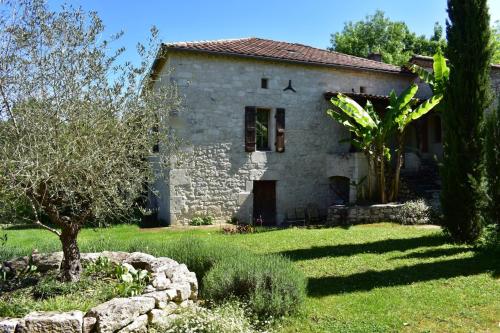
<point>392,97</point>
<point>423,74</point>
<point>424,108</point>
<point>343,119</point>
<point>371,111</point>
<point>354,111</point>
<point>441,72</point>
<point>406,96</point>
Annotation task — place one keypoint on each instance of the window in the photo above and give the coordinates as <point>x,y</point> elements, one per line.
<point>262,129</point>
<point>263,83</point>
<point>262,125</point>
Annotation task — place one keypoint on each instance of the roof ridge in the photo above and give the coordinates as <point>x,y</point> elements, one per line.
<point>327,50</point>
<point>223,40</point>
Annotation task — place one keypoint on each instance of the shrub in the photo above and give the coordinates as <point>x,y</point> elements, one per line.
<point>492,142</point>
<point>227,318</point>
<point>490,238</point>
<point>50,287</point>
<point>202,220</point>
<point>270,285</point>
<point>199,255</point>
<point>416,212</point>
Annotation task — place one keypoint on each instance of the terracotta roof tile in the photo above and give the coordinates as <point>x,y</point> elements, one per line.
<point>293,52</point>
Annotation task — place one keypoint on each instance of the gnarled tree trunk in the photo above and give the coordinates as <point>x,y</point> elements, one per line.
<point>71,266</point>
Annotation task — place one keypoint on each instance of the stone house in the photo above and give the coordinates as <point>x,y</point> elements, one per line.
<point>257,141</point>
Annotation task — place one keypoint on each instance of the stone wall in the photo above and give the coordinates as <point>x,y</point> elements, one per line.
<point>347,215</point>
<point>216,175</point>
<point>172,286</point>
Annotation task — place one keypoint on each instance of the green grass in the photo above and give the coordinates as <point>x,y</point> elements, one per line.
<point>48,294</point>
<point>371,278</point>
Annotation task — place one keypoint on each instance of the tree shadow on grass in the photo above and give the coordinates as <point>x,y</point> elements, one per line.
<point>435,253</point>
<point>366,281</point>
<point>378,247</point>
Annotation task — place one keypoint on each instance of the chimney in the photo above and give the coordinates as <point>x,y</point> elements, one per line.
<point>375,56</point>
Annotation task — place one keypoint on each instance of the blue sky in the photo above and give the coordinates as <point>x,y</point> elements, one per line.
<point>307,22</point>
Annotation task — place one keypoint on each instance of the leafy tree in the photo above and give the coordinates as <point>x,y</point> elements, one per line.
<point>495,38</point>
<point>469,52</point>
<point>493,163</point>
<point>75,125</point>
<point>378,34</point>
<point>372,132</point>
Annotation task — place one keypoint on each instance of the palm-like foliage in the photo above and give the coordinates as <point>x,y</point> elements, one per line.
<point>438,79</point>
<point>373,132</point>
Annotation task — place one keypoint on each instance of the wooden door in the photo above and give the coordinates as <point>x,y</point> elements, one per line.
<point>264,201</point>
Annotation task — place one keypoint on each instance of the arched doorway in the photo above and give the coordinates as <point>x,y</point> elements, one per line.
<point>339,190</point>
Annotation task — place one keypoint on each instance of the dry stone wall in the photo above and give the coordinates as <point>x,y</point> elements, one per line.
<point>172,286</point>
<point>347,215</point>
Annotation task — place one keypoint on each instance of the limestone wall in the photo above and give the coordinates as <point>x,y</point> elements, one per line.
<point>215,175</point>
<point>347,215</point>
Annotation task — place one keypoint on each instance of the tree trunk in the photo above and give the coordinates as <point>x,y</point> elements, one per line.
<point>383,198</point>
<point>399,164</point>
<point>70,266</point>
<point>370,176</point>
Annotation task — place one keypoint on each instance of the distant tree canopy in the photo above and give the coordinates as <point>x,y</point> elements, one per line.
<point>495,33</point>
<point>392,39</point>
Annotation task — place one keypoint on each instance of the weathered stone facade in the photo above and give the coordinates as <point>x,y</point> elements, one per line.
<point>216,175</point>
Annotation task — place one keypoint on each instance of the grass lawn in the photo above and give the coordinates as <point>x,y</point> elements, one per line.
<point>370,278</point>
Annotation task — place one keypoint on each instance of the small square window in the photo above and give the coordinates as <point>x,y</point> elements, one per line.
<point>264,83</point>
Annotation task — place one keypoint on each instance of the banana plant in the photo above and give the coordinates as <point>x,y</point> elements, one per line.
<point>373,132</point>
<point>438,78</point>
<point>402,110</point>
<point>366,125</point>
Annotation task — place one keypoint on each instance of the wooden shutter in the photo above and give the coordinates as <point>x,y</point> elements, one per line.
<point>280,130</point>
<point>250,113</point>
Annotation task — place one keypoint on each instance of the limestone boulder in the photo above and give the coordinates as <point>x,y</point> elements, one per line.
<point>182,275</point>
<point>54,322</point>
<point>141,261</point>
<point>162,297</point>
<point>177,271</point>
<point>8,325</point>
<point>183,291</point>
<point>116,257</point>
<point>139,325</point>
<point>17,265</point>
<point>162,264</point>
<point>160,281</point>
<point>47,261</point>
<point>88,324</point>
<point>90,257</point>
<point>160,317</point>
<point>119,312</point>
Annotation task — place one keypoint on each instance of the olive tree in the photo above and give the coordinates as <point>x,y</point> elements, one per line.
<point>77,123</point>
